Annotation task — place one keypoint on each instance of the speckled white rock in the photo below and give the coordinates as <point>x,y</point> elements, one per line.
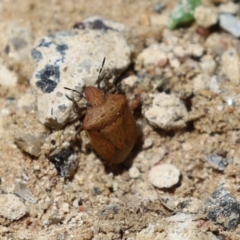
<point>206,16</point>
<point>167,112</point>
<point>11,207</point>
<point>72,59</point>
<point>164,176</point>
<point>151,56</point>
<point>231,65</point>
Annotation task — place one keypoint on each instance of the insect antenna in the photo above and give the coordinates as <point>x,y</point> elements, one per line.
<point>76,107</point>
<point>100,71</point>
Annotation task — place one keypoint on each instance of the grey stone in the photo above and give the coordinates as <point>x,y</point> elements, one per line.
<point>223,209</point>
<point>230,24</point>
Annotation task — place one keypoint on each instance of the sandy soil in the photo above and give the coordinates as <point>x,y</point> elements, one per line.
<point>102,202</point>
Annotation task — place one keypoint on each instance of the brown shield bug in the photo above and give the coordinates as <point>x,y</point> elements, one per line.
<point>109,123</point>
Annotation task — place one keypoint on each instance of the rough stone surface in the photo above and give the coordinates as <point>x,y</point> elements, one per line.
<point>230,65</point>
<point>134,172</point>
<point>230,24</point>
<point>206,16</point>
<point>23,192</point>
<point>208,64</point>
<point>223,208</point>
<point>229,7</point>
<point>11,207</point>
<point>154,55</point>
<point>29,134</point>
<point>65,162</point>
<point>164,176</point>
<point>217,162</point>
<point>167,112</point>
<point>201,81</point>
<point>214,85</point>
<point>72,59</point>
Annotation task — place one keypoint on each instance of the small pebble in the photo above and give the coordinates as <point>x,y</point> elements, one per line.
<point>65,207</point>
<point>23,192</point>
<point>11,207</point>
<point>229,7</point>
<point>214,84</point>
<point>187,146</point>
<point>179,51</point>
<point>208,64</point>
<point>223,209</point>
<point>167,112</point>
<point>201,81</point>
<point>147,143</point>
<point>217,162</point>
<point>65,162</point>
<point>195,50</point>
<point>134,172</point>
<point>164,176</point>
<point>151,56</point>
<point>175,63</point>
<point>76,203</point>
<point>206,16</point>
<point>230,24</point>
<point>230,65</point>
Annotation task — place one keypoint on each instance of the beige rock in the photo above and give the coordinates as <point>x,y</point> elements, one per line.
<point>11,207</point>
<point>231,65</point>
<point>229,7</point>
<point>206,16</point>
<point>167,112</point>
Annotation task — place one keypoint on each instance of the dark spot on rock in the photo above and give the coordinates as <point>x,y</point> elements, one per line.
<point>79,25</point>
<point>62,108</point>
<point>95,25</point>
<point>61,48</point>
<point>99,25</point>
<point>49,78</point>
<point>36,55</point>
<point>44,43</point>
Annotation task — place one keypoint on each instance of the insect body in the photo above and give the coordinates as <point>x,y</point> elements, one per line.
<point>109,122</point>
<point>110,125</point>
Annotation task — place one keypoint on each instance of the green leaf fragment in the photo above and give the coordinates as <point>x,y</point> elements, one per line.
<point>183,13</point>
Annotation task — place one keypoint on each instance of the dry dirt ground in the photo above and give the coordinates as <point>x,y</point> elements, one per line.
<point>102,202</point>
